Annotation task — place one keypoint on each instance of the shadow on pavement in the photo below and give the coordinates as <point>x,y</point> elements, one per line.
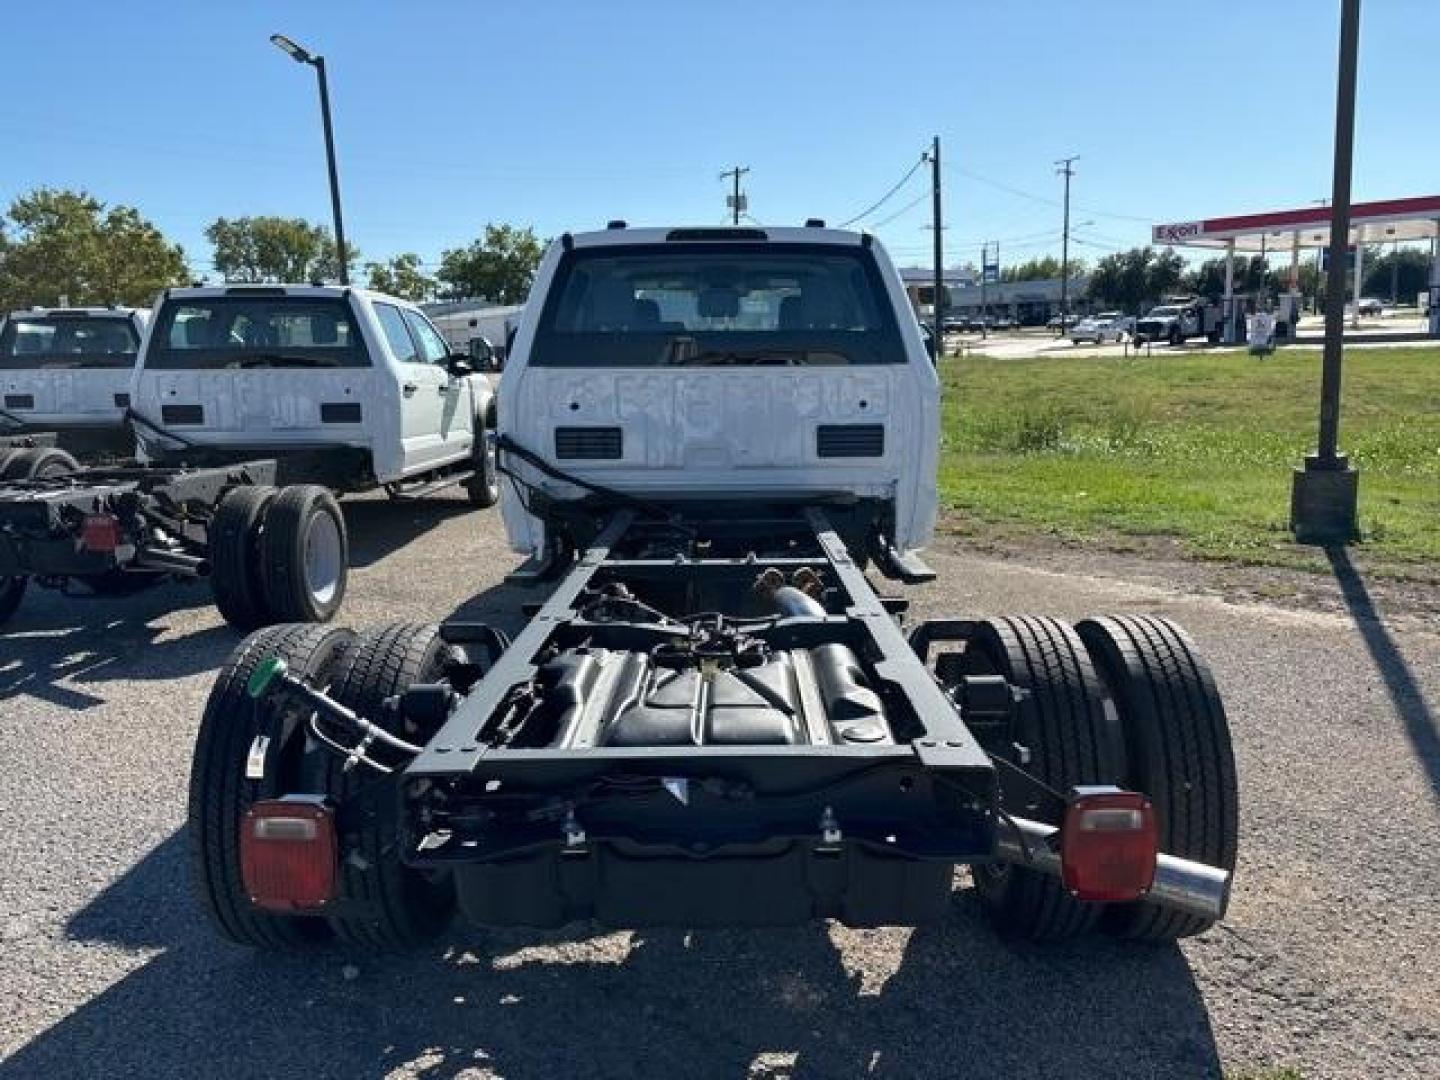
<point>582,1003</point>
<point>61,645</point>
<point>379,527</point>
<point>1400,683</point>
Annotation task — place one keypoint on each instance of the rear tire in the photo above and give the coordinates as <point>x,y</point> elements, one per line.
<point>406,907</point>
<point>236,569</point>
<point>12,591</point>
<point>1176,339</point>
<point>484,486</point>
<point>1178,750</point>
<point>304,555</point>
<point>221,793</point>
<point>1062,721</point>
<point>38,464</point>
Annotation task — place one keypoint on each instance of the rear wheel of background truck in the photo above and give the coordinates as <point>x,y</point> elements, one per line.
<point>12,591</point>
<point>236,571</point>
<point>1178,751</point>
<point>484,487</point>
<point>403,907</point>
<point>1176,338</point>
<point>38,464</point>
<point>222,788</point>
<point>304,553</point>
<point>1061,721</point>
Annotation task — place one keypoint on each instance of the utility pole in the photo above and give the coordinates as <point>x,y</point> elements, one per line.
<point>736,201</point>
<point>1323,498</point>
<point>939,305</point>
<point>1066,169</point>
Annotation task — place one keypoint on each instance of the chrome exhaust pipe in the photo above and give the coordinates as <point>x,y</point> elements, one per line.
<point>1195,888</point>
<point>174,562</point>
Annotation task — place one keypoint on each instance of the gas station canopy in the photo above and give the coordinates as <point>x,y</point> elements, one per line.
<point>1387,221</point>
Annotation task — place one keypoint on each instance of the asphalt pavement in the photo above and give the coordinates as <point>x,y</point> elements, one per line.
<point>1329,961</point>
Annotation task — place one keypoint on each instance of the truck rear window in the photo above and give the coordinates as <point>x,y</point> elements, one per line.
<point>68,341</point>
<point>255,332</point>
<point>704,304</point>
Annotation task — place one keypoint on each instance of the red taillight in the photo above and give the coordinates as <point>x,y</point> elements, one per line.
<point>101,532</point>
<point>287,853</point>
<point>1108,844</point>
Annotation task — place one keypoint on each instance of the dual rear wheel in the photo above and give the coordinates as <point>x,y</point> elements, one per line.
<point>1123,700</point>
<point>278,556</point>
<point>382,904</point>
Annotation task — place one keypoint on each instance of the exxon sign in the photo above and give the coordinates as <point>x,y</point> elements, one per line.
<point>1177,233</point>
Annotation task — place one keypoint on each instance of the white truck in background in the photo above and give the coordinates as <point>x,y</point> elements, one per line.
<point>66,371</point>
<point>483,334</point>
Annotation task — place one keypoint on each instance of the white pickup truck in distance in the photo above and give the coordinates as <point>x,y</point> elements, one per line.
<point>67,371</point>
<point>341,386</point>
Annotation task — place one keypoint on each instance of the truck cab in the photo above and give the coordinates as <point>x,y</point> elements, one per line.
<point>67,371</point>
<point>739,366</point>
<point>342,386</point>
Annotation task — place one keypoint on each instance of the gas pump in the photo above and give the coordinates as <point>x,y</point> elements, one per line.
<point>1287,316</point>
<point>1233,315</point>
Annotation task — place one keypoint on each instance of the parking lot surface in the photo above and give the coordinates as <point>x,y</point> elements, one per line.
<point>1327,962</point>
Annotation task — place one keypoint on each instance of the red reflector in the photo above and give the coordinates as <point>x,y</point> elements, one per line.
<point>287,853</point>
<point>1108,844</point>
<point>100,532</point>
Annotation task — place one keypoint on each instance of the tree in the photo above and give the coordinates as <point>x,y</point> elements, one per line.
<point>1252,277</point>
<point>402,277</point>
<point>57,243</point>
<point>499,266</point>
<point>1407,270</point>
<point>1134,280</point>
<point>275,249</point>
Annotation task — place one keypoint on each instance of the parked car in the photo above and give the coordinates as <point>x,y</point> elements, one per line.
<point>1371,306</point>
<point>1098,329</point>
<point>1059,322</point>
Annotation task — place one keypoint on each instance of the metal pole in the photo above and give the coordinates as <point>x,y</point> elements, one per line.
<point>341,251</point>
<point>1067,170</point>
<point>939,304</point>
<point>735,210</point>
<point>1324,495</point>
<point>1328,451</point>
<point>984,288</point>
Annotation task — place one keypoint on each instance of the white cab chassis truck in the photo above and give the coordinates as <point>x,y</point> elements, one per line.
<point>714,718</point>
<point>340,386</point>
<point>251,406</point>
<point>67,371</point>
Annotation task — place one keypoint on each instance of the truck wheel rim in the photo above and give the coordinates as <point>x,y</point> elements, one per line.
<point>322,558</point>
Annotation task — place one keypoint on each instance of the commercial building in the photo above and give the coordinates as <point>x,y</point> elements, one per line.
<point>1030,303</point>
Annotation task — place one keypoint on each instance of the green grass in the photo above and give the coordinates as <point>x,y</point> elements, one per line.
<point>1194,448</point>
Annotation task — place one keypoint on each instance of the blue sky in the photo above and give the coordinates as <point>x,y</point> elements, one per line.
<point>562,114</point>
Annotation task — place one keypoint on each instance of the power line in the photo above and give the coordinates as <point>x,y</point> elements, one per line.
<point>886,197</point>
<point>903,210</point>
<point>1022,194</point>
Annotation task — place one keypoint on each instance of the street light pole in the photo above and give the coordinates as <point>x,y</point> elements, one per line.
<point>304,56</point>
<point>1323,498</point>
